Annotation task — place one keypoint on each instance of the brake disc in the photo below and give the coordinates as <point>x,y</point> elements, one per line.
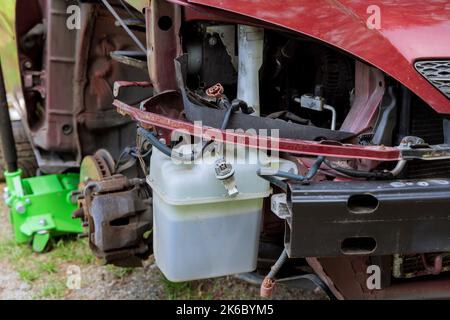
<point>96,167</point>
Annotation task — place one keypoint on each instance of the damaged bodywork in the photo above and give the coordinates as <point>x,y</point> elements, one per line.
<point>354,117</point>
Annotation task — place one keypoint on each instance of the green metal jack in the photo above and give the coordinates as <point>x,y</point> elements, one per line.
<point>41,207</point>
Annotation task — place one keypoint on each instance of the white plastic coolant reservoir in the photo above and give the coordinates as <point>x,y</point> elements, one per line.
<point>199,230</point>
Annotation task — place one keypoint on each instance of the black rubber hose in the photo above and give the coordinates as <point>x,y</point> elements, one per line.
<point>289,175</point>
<point>226,118</point>
<point>362,174</point>
<point>296,177</point>
<point>277,182</point>
<point>6,131</point>
<point>223,127</point>
<point>278,264</point>
<point>153,140</point>
<point>315,167</point>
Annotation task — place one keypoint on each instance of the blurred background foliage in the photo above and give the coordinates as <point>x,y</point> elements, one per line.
<point>8,51</point>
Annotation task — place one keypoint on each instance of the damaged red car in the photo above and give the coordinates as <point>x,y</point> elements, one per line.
<point>303,142</point>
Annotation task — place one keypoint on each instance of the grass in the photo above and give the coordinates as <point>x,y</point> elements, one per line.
<point>195,290</point>
<point>29,276</point>
<point>48,267</point>
<point>72,250</point>
<point>47,271</point>
<point>119,272</point>
<point>177,290</point>
<point>54,290</point>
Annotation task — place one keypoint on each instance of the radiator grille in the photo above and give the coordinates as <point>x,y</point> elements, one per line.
<point>428,125</point>
<point>411,266</point>
<point>437,73</point>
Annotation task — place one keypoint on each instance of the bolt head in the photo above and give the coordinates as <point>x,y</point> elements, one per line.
<point>20,208</point>
<point>6,194</point>
<point>212,41</point>
<point>42,222</point>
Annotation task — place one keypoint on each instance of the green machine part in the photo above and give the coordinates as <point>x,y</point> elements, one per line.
<point>41,207</point>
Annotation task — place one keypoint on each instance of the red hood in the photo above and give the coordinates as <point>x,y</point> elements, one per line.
<point>410,31</point>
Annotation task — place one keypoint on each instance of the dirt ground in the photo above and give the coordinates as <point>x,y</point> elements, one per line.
<point>27,275</point>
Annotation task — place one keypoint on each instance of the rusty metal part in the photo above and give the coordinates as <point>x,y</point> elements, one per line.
<point>34,81</point>
<point>432,289</point>
<point>369,91</point>
<point>116,210</point>
<point>165,104</point>
<point>417,265</point>
<point>96,167</point>
<point>434,269</point>
<point>67,83</point>
<point>150,119</point>
<point>436,152</point>
<point>95,74</point>
<point>318,269</point>
<point>107,158</point>
<point>92,168</point>
<point>353,284</point>
<point>347,277</point>
<point>131,58</point>
<point>368,94</point>
<point>118,18</point>
<point>163,43</point>
<point>119,215</point>
<point>119,85</point>
<point>55,130</point>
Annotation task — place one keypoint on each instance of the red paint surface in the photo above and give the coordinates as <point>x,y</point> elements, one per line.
<point>410,30</point>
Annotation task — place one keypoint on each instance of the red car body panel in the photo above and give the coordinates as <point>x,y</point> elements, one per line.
<point>410,31</point>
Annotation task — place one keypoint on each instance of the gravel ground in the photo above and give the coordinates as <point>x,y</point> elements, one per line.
<point>26,275</point>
